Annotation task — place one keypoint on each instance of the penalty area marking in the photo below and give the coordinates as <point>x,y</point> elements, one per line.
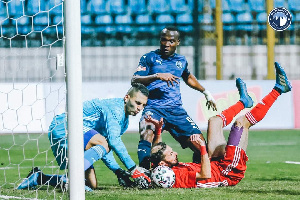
<point>46,167</point>
<point>275,144</point>
<point>292,162</point>
<point>13,197</point>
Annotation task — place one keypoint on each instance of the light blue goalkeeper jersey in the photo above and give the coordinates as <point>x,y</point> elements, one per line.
<point>107,117</point>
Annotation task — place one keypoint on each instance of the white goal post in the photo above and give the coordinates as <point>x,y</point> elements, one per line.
<point>74,98</point>
<point>40,78</point>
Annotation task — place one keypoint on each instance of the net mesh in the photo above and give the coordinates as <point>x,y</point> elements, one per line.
<point>32,92</point>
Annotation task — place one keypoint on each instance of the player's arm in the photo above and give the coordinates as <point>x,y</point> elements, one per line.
<point>122,175</point>
<point>192,82</point>
<point>110,161</point>
<point>158,128</point>
<point>146,80</point>
<point>117,145</point>
<point>142,73</point>
<point>205,172</point>
<point>167,77</point>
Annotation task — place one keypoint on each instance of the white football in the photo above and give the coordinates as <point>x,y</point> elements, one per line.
<point>163,176</point>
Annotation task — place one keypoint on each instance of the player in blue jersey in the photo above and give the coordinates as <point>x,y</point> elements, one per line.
<point>104,122</point>
<point>160,71</point>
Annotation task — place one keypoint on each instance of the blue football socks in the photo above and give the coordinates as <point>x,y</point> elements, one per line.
<point>144,149</point>
<point>92,155</point>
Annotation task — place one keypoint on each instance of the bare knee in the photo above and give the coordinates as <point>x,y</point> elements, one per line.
<point>215,121</point>
<point>146,131</point>
<point>215,125</point>
<point>98,140</point>
<point>242,121</point>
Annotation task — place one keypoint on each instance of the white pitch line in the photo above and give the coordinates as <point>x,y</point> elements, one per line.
<point>47,167</point>
<point>274,144</point>
<point>292,162</point>
<point>13,197</point>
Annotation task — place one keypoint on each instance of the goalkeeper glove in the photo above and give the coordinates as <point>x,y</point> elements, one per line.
<point>124,178</point>
<point>140,178</point>
<point>210,101</point>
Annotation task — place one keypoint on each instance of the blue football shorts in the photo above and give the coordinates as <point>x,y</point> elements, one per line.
<point>176,121</point>
<point>58,139</point>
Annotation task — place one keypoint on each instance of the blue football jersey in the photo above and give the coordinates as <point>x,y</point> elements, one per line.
<point>107,117</point>
<point>160,94</point>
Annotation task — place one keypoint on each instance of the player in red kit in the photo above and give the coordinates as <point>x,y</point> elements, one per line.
<point>224,163</point>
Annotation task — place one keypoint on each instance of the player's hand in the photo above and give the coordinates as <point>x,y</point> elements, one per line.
<point>197,141</point>
<point>157,124</point>
<point>124,178</point>
<point>168,77</point>
<point>140,178</point>
<point>210,101</point>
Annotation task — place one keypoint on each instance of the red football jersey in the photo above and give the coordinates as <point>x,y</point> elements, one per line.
<point>226,171</point>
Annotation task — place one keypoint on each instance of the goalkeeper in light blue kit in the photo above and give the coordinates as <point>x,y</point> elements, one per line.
<point>104,122</point>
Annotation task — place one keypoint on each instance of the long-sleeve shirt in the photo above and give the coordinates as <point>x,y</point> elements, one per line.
<point>107,117</point>
<point>160,94</point>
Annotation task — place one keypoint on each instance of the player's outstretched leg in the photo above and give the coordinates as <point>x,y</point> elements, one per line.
<point>282,86</point>
<point>282,83</point>
<point>244,96</point>
<point>216,141</point>
<point>37,177</point>
<point>244,102</point>
<point>31,180</point>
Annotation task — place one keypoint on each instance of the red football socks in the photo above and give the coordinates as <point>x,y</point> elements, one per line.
<point>228,114</point>
<point>261,109</point>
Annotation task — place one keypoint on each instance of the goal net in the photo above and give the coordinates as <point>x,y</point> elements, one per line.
<point>32,92</point>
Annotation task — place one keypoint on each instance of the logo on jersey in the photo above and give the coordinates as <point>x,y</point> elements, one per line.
<point>140,68</point>
<point>149,113</point>
<point>280,19</point>
<point>179,64</point>
<point>158,61</point>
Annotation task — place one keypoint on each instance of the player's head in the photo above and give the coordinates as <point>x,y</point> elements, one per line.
<point>162,154</point>
<point>136,99</point>
<point>169,40</point>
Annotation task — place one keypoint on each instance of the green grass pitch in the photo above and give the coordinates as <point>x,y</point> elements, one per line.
<point>268,176</point>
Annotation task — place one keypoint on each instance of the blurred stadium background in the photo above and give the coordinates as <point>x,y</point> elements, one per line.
<point>115,34</point>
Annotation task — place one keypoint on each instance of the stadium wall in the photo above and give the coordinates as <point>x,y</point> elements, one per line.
<point>119,63</point>
<point>29,108</point>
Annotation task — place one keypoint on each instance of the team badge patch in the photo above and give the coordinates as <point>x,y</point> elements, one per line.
<point>280,19</point>
<point>140,68</point>
<point>179,64</point>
